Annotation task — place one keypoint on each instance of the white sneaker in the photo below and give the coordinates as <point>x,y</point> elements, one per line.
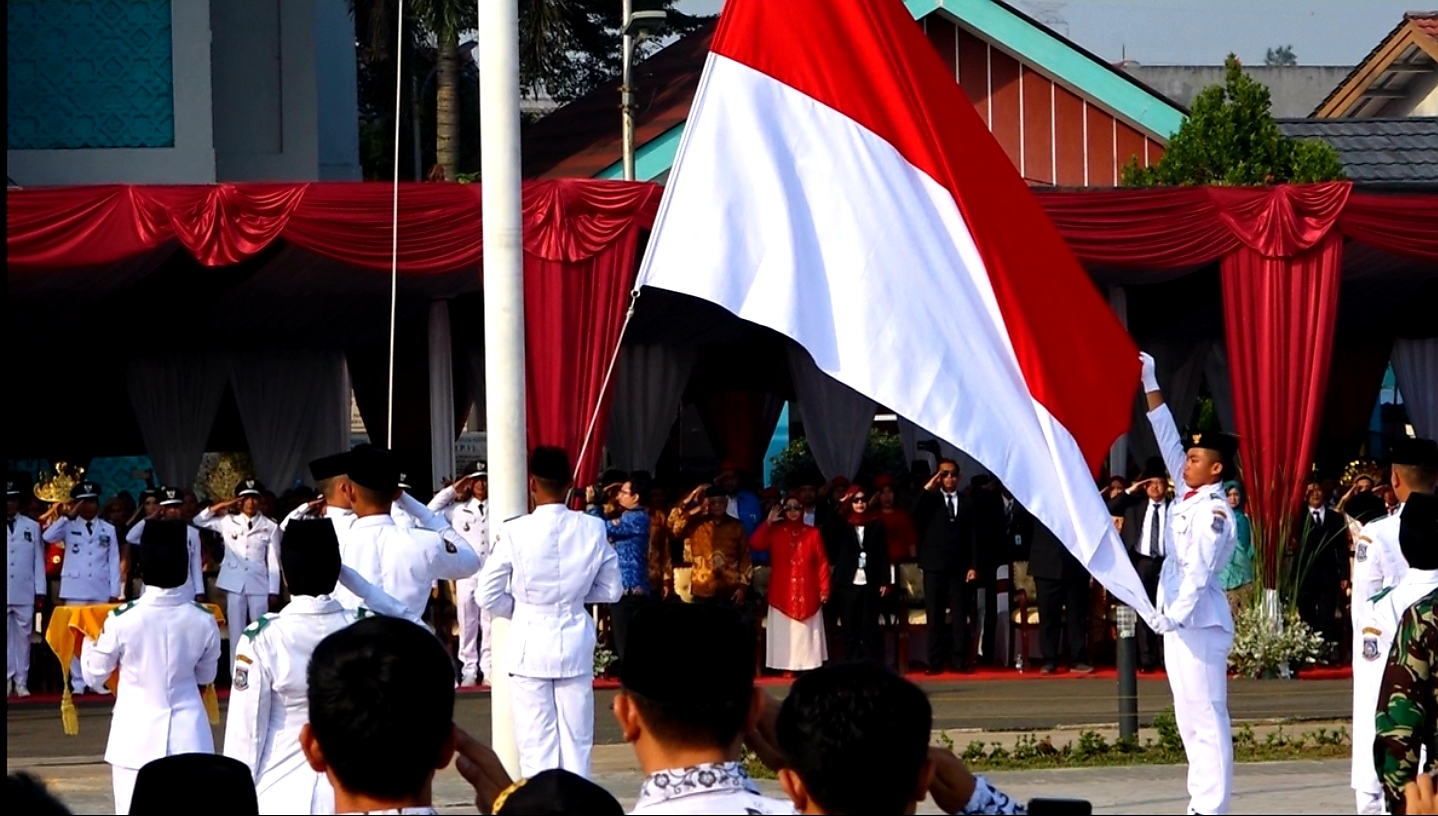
<point>469,679</point>
<point>21,691</point>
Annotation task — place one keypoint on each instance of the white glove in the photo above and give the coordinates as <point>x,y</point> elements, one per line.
<point>1163,624</point>
<point>1150,379</point>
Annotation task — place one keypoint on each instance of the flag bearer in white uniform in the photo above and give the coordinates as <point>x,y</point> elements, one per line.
<point>545,567</point>
<point>465,505</point>
<point>90,573</point>
<point>404,563</point>
<point>1194,617</point>
<point>171,508</point>
<point>25,589</point>
<point>1380,563</point>
<point>166,647</point>
<point>329,473</point>
<point>268,705</point>
<point>250,573</point>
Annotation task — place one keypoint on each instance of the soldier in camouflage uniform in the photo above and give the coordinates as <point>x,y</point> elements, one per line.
<point>1407,711</point>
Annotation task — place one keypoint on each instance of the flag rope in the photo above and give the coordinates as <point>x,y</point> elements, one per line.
<point>604,386</point>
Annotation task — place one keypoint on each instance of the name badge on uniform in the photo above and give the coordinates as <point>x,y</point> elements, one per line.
<point>27,536</point>
<point>1370,644</point>
<point>104,539</point>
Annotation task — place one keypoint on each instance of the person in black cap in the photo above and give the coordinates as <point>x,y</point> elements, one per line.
<point>166,646</point>
<point>686,699</point>
<point>176,783</point>
<point>329,474</point>
<point>1379,564</point>
<point>465,506</point>
<point>271,658</point>
<point>25,588</point>
<point>250,573</point>
<point>171,507</point>
<point>1143,506</point>
<point>402,562</point>
<point>90,574</point>
<point>546,566</point>
<point>556,792</point>
<point>1193,614</point>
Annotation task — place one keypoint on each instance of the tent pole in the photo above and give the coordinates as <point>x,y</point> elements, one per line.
<point>502,222</point>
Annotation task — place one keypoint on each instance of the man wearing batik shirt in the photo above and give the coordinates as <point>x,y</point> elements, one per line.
<point>716,546</point>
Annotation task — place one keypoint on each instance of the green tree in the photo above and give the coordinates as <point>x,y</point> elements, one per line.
<point>1230,137</point>
<point>1282,56</point>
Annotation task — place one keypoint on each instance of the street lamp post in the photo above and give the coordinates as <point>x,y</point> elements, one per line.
<point>637,23</point>
<point>1127,621</point>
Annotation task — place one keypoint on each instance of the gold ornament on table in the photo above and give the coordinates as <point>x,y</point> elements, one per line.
<point>218,480</point>
<point>56,489</point>
<point>1360,469</point>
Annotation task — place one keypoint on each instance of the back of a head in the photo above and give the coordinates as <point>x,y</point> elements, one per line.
<point>375,473</point>
<point>178,782</point>
<point>554,793</point>
<point>381,706</point>
<point>858,736</point>
<point>1415,463</point>
<point>164,553</point>
<point>27,794</point>
<point>1366,507</point>
<point>1418,531</point>
<point>550,468</point>
<point>310,557</point>
<point>690,671</point>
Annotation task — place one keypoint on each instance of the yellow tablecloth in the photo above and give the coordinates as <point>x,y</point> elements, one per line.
<point>66,633</point>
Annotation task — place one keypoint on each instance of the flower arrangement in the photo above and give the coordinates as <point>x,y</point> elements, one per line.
<point>1264,648</point>
<point>604,660</point>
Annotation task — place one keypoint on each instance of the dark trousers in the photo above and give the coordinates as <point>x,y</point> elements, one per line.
<point>859,620</point>
<point>946,590</point>
<point>1063,606</point>
<point>1150,645</point>
<point>620,614</point>
<point>1318,606</point>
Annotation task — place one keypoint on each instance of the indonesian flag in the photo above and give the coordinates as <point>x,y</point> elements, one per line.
<point>834,184</point>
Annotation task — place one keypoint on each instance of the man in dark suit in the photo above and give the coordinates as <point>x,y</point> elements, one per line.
<point>946,555</point>
<point>992,549</point>
<point>1143,506</point>
<point>1323,558</point>
<point>1062,584</point>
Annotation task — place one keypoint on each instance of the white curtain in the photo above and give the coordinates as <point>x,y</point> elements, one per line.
<point>295,406</point>
<point>175,399</point>
<point>1415,364</point>
<point>648,386</point>
<point>837,418</point>
<point>441,397</point>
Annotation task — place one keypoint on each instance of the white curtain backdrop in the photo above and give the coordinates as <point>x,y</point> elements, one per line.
<point>1415,365</point>
<point>441,397</point>
<point>175,399</point>
<point>295,406</point>
<point>648,386</point>
<point>836,417</point>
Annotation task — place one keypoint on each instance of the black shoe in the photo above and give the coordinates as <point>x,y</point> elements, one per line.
<point>1048,668</point>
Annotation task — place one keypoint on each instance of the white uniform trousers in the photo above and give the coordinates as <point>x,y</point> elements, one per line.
<point>77,677</point>
<point>241,611</point>
<point>1197,664</point>
<point>19,625</point>
<point>553,723</point>
<point>124,781</point>
<point>474,651</point>
<point>1367,677</point>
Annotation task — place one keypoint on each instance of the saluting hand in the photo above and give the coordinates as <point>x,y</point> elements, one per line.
<point>481,768</point>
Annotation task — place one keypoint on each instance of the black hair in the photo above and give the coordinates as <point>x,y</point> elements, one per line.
<point>381,698</point>
<point>550,468</point>
<point>639,483</point>
<point>700,723</point>
<point>370,496</point>
<point>858,736</point>
<point>29,794</point>
<point>1419,478</point>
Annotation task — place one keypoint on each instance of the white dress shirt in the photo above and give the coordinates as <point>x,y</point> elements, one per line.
<point>1155,513</point>
<point>24,562</point>
<point>469,518</point>
<point>268,705</point>
<point>545,567</point>
<point>166,647</point>
<point>91,571</point>
<point>403,563</point>
<point>252,552</point>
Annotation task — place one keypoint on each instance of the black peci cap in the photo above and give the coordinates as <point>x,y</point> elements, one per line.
<point>1415,452</point>
<point>374,468</point>
<point>328,467</point>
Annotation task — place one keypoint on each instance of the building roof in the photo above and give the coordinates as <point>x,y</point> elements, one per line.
<point>1377,151</point>
<point>1396,68</point>
<point>1294,90</point>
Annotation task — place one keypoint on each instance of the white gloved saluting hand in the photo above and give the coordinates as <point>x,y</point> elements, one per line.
<point>1150,379</point>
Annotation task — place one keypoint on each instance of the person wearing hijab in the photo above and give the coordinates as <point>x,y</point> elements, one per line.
<point>798,589</point>
<point>858,545</point>
<point>1237,575</point>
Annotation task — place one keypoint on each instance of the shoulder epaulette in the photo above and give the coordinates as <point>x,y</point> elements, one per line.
<point>1381,594</point>
<point>253,630</point>
<point>123,608</point>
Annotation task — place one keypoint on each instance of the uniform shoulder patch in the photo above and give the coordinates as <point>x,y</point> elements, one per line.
<point>253,630</point>
<point>1219,520</point>
<point>1381,594</point>
<point>123,608</point>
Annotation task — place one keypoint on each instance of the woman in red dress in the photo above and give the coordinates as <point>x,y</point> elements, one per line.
<point>798,587</point>
<point>903,538</point>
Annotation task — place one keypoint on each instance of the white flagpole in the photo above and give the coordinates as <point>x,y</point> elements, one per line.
<point>503,310</point>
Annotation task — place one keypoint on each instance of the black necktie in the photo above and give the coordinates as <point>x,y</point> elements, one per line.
<point>1317,519</point>
<point>953,511</point>
<point>11,523</point>
<point>1153,530</point>
<point>252,524</point>
<point>90,527</point>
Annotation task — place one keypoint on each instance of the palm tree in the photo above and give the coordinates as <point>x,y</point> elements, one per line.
<point>444,20</point>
